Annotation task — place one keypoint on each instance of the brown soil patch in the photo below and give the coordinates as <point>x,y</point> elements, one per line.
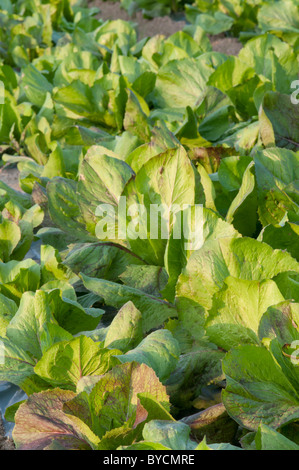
<point>229,46</point>
<point>10,176</point>
<point>5,442</point>
<point>161,25</point>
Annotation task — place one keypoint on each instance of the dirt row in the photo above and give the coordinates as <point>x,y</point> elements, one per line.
<point>5,442</point>
<point>161,25</point>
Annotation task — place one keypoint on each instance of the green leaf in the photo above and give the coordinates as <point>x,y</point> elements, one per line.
<point>149,279</point>
<point>11,411</point>
<point>208,267</point>
<point>102,180</point>
<point>257,390</point>
<point>144,446</point>
<point>282,16</point>
<point>159,350</point>
<point>238,80</point>
<point>163,184</point>
<point>272,58</point>
<point>285,237</point>
<point>279,329</point>
<point>113,409</point>
<point>35,85</point>
<point>161,141</point>
<point>285,130</point>
<point>8,309</point>
<point>10,235</point>
<point>268,439</point>
<point>18,368</point>
<point>31,219</point>
<point>237,310</point>
<point>17,277</point>
<point>203,445</point>
<point>243,209</point>
<point>210,226</point>
<point>53,334</point>
<point>231,171</point>
<point>77,99</point>
<point>102,260</point>
<point>183,82</point>
<point>214,424</point>
<point>64,209</point>
<point>27,326</point>
<point>69,314</point>
<point>216,23</point>
<point>136,116</point>
<point>55,165</point>
<point>125,331</point>
<point>277,174</point>
<point>124,382</point>
<point>41,423</point>
<point>197,380</point>
<point>8,193</point>
<point>208,188</point>
<point>52,268</point>
<point>279,321</point>
<point>66,362</point>
<point>173,435</point>
<point>154,310</point>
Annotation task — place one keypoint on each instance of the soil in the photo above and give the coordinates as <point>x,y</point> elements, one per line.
<point>166,25</point>
<point>229,46</point>
<point>10,176</point>
<point>145,27</point>
<point>5,442</point>
<point>160,25</point>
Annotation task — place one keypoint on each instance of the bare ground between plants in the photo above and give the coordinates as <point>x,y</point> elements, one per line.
<point>161,25</point>
<point>10,176</point>
<point>5,442</point>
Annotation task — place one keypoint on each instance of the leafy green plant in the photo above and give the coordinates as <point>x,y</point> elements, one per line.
<point>134,341</point>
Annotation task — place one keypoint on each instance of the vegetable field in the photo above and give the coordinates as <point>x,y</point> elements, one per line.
<point>149,259</point>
